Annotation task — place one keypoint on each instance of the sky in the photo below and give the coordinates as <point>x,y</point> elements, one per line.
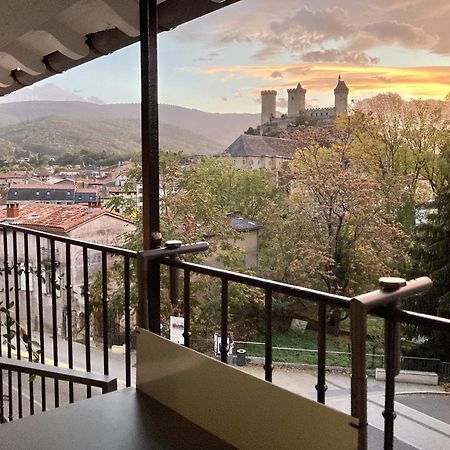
<point>221,62</point>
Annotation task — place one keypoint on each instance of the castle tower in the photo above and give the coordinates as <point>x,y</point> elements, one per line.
<point>268,106</point>
<point>341,96</point>
<point>296,101</point>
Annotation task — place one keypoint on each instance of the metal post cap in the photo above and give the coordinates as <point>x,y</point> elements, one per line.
<point>173,244</point>
<point>391,283</point>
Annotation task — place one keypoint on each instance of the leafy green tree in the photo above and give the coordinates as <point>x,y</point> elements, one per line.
<point>431,256</point>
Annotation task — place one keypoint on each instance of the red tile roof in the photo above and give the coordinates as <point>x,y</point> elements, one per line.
<point>61,217</point>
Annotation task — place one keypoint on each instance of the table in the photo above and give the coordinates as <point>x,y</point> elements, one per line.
<point>121,420</point>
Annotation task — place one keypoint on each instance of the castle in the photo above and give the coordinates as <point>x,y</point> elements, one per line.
<point>297,107</point>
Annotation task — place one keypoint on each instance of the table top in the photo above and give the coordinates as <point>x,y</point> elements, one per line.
<point>125,419</point>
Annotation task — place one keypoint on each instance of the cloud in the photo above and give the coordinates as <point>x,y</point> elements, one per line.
<point>282,102</point>
<point>357,26</point>
<point>415,82</point>
<point>384,78</point>
<point>393,32</point>
<point>266,52</point>
<point>209,57</point>
<point>276,74</point>
<point>340,56</point>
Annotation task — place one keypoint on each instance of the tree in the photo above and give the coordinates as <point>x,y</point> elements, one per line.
<point>431,256</point>
<point>403,138</point>
<point>340,232</point>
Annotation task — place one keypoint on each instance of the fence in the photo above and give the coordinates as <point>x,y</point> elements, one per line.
<point>48,287</point>
<point>375,360</point>
<point>35,293</point>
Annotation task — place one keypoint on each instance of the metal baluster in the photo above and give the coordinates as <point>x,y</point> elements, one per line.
<point>87,315</point>
<point>224,325</point>
<point>41,319</point>
<point>126,280</point>
<point>17,318</point>
<point>54,285</point>
<point>268,367</point>
<point>105,312</point>
<point>28,310</point>
<point>358,333</point>
<point>187,308</point>
<point>2,406</point>
<point>392,352</point>
<point>8,325</point>
<point>321,385</point>
<point>69,317</point>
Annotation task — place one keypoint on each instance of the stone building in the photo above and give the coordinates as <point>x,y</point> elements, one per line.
<point>85,223</point>
<point>262,153</point>
<point>297,111</point>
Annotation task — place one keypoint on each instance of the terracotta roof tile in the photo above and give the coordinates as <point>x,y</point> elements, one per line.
<point>63,217</point>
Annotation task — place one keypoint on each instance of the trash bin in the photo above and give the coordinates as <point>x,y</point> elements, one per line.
<point>240,356</point>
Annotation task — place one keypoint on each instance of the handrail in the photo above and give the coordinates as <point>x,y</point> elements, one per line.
<point>106,382</point>
<point>398,315</point>
<point>263,283</point>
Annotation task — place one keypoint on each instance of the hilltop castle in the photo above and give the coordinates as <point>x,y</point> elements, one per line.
<point>297,107</point>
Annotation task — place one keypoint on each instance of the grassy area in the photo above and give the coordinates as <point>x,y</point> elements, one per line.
<point>306,341</point>
<point>375,326</point>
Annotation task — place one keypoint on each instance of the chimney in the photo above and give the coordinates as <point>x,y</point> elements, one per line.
<point>96,204</point>
<point>228,218</point>
<point>12,210</point>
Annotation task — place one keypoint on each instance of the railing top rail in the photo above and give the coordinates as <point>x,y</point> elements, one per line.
<point>275,286</point>
<point>413,318</point>
<point>399,315</point>
<point>175,250</point>
<point>72,241</point>
<point>382,297</point>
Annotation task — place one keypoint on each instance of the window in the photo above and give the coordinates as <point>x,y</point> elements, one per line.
<point>23,278</point>
<point>37,192</point>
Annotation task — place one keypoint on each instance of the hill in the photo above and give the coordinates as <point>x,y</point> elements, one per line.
<point>222,128</point>
<point>54,136</point>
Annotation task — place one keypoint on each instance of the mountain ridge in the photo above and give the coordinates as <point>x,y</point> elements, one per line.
<point>223,128</point>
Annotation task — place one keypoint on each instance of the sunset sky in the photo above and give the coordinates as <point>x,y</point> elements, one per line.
<point>221,62</point>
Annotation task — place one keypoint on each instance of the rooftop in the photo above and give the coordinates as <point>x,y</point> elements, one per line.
<point>249,145</point>
<point>56,217</point>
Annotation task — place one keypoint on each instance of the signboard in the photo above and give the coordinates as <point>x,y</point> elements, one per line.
<point>177,329</point>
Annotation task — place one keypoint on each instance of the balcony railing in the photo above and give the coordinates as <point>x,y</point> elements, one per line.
<point>48,286</point>
<point>90,263</point>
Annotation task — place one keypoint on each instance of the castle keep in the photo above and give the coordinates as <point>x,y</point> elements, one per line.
<point>297,107</point>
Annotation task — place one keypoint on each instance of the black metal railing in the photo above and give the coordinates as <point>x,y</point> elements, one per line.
<point>48,290</point>
<point>56,291</point>
<point>383,303</point>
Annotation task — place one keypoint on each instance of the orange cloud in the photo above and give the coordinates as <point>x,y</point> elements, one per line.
<point>411,82</point>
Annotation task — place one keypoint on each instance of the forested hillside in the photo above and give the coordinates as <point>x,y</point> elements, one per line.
<point>55,136</point>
